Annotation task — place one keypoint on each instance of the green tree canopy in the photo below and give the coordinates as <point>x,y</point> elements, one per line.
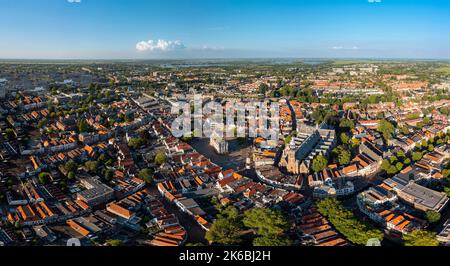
<point>288,139</point>
<point>319,163</point>
<point>146,175</point>
<point>433,216</point>
<point>407,161</point>
<point>417,156</point>
<point>392,170</point>
<point>346,223</point>
<point>83,126</point>
<point>386,129</point>
<point>195,245</point>
<point>71,166</point>
<point>228,212</point>
<point>108,174</point>
<point>225,232</point>
<point>346,125</point>
<point>9,133</point>
<point>136,143</point>
<point>344,138</point>
<point>42,123</point>
<point>71,175</point>
<point>114,242</point>
<point>188,137</point>
<point>91,166</point>
<point>399,166</point>
<point>263,88</point>
<point>421,238</point>
<point>160,158</point>
<point>272,241</point>
<point>385,165</point>
<point>355,143</point>
<point>342,154</point>
<point>44,178</point>
<point>266,222</point>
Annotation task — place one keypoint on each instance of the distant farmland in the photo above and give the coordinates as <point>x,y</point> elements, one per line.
<point>444,70</point>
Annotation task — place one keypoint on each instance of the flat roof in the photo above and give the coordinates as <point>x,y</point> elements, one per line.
<point>425,196</point>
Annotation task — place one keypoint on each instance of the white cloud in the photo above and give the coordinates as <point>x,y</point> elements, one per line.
<point>74,1</point>
<point>211,48</point>
<point>345,48</point>
<point>160,45</point>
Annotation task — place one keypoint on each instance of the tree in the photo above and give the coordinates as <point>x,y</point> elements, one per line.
<point>227,227</point>
<point>385,165</point>
<point>271,241</point>
<point>288,139</point>
<point>110,162</point>
<point>91,166</point>
<point>188,138</point>
<point>401,155</point>
<point>146,175</point>
<point>263,88</point>
<point>270,226</point>
<point>421,238</point>
<point>399,166</point>
<point>386,129</point>
<point>228,212</point>
<point>433,216</point>
<point>108,174</point>
<point>342,154</point>
<point>392,170</point>
<point>114,242</point>
<point>71,166</point>
<point>344,157</point>
<point>83,126</point>
<point>136,143</point>
<point>44,178</point>
<point>344,138</point>
<point>417,156</point>
<point>9,133</point>
<point>393,159</point>
<point>355,143</point>
<point>346,125</point>
<point>102,158</point>
<point>266,222</point>
<point>446,173</point>
<point>319,163</point>
<point>346,223</point>
<point>447,191</point>
<point>17,225</point>
<point>404,130</point>
<point>407,161</point>
<point>160,158</point>
<point>71,175</point>
<point>42,123</point>
<point>195,245</point>
<point>225,232</point>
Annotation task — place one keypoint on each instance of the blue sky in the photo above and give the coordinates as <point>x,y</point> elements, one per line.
<point>103,29</point>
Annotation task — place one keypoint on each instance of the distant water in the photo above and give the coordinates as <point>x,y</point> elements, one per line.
<point>237,62</point>
<point>193,65</point>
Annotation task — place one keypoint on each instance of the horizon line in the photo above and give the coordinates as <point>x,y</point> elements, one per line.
<point>233,58</point>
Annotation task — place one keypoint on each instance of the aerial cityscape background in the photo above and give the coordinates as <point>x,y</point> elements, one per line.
<point>355,92</point>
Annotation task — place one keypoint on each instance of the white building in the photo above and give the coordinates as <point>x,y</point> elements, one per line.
<point>219,144</point>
